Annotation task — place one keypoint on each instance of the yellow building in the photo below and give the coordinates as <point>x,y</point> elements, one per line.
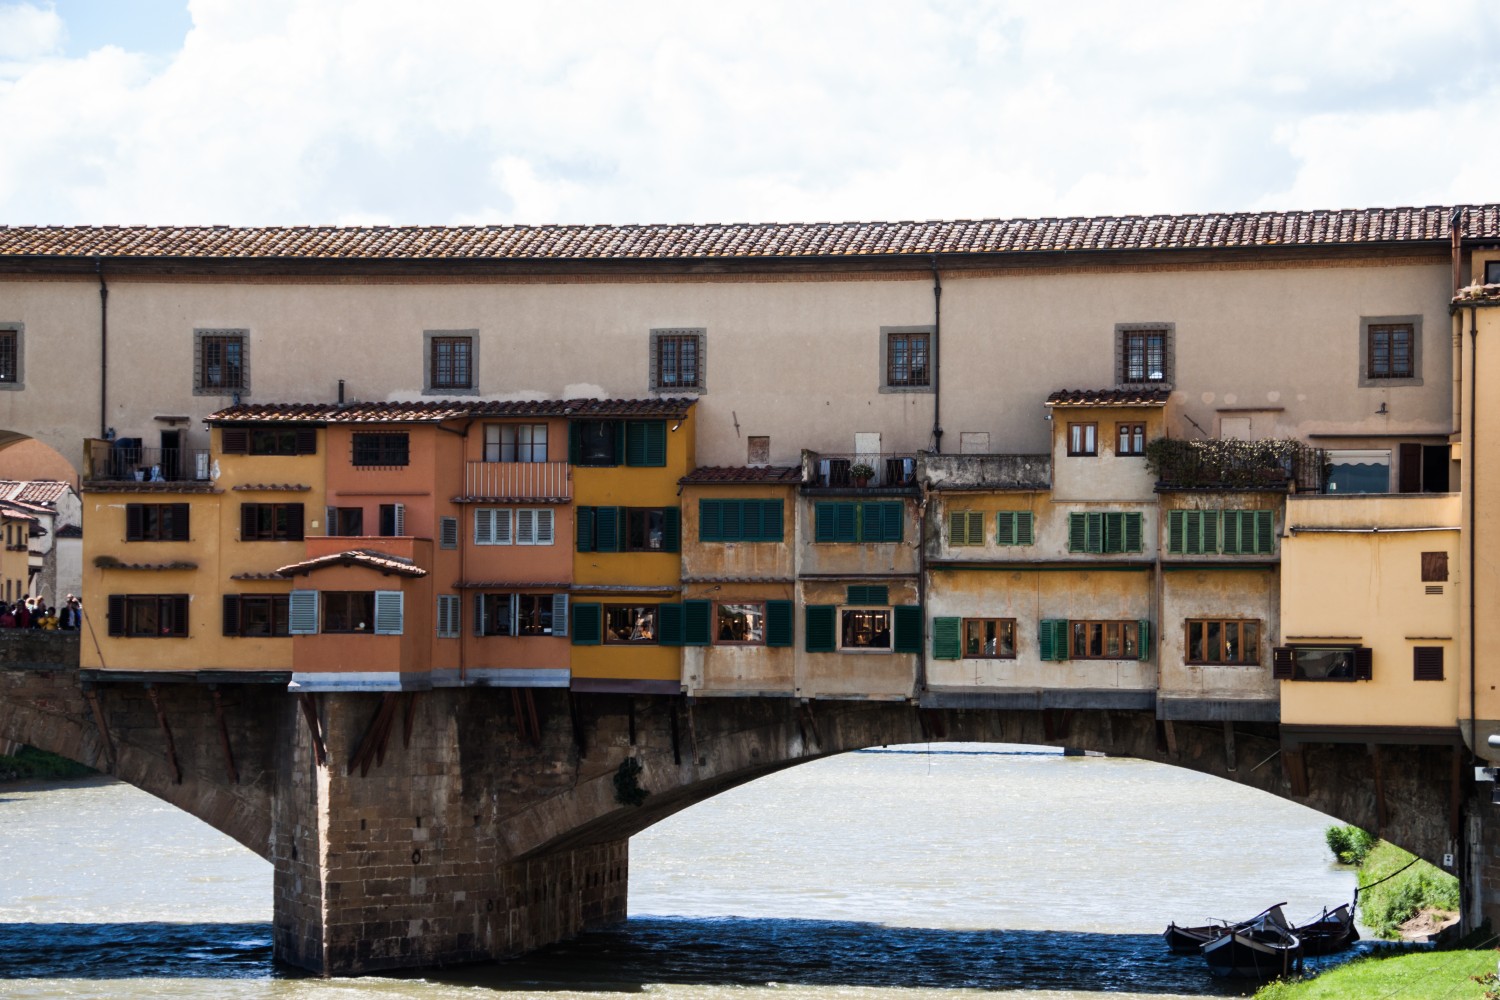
<point>628,617</point>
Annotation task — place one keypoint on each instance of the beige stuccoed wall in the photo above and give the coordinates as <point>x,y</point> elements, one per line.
<point>797,360</point>
<point>1367,588</point>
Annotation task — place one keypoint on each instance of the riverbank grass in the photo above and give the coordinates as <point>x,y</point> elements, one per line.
<point>31,764</point>
<point>1452,975</point>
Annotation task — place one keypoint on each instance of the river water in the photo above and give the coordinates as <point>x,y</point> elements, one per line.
<point>920,873</point>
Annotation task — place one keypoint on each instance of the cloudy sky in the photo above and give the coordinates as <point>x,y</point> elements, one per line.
<point>490,111</point>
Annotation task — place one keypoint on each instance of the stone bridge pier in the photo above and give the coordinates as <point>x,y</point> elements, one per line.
<point>437,827</point>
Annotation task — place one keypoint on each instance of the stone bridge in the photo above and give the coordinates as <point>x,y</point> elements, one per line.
<point>462,824</point>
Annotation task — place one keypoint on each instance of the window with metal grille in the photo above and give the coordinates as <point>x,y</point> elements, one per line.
<point>221,362</point>
<point>376,449</point>
<point>515,442</point>
<point>1144,354</point>
<point>452,358</point>
<point>10,357</point>
<point>1390,351</point>
<point>906,360</point>
<point>677,360</point>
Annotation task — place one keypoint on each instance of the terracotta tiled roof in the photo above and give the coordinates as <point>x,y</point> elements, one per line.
<point>11,513</point>
<point>1109,397</point>
<point>788,475</point>
<point>37,491</point>
<point>382,561</point>
<point>432,411</point>
<point>70,531</point>
<point>272,488</point>
<point>751,240</point>
<point>510,585</point>
<point>136,486</point>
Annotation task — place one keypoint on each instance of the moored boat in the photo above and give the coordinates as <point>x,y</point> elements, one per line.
<point>1189,940</point>
<point>1262,948</point>
<point>1332,932</point>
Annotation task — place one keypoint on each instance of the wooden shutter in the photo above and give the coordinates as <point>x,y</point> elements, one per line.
<point>751,516</point>
<point>478,613</point>
<point>231,614</point>
<point>1409,474</point>
<point>1052,638</point>
<point>484,525</point>
<point>607,524</point>
<point>388,612</point>
<point>445,629</point>
<point>115,612</point>
<point>772,521</point>
<point>947,638</point>
<point>526,526</point>
<point>1078,532</point>
<point>302,612</point>
<point>732,520</point>
<point>560,615</point>
<point>448,532</point>
<point>697,622</point>
<point>401,517</point>
<point>710,520</point>
<point>504,532</point>
<point>1434,567</point>
<point>1143,640</point>
<point>825,521</point>
<point>1363,663</point>
<point>820,628</point>
<point>234,441</point>
<point>305,441</point>
<point>882,521</point>
<point>588,624</point>
<point>1427,663</point>
<point>176,607</point>
<point>861,593</point>
<point>1238,533</point>
<point>908,628</point>
<point>669,624</point>
<point>249,521</point>
<point>1284,663</point>
<point>1025,531</point>
<point>134,518</point>
<point>646,443</point>
<point>178,531</point>
<point>958,527</point>
<point>294,522</point>
<point>584,528</point>
<point>1177,532</point>
<point>671,529</point>
<point>1265,531</point>
<point>778,623</point>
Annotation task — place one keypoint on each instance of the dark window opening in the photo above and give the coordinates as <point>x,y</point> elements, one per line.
<point>348,610</point>
<point>630,623</point>
<point>381,449</point>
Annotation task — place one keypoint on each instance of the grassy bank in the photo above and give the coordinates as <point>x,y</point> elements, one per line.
<point>1424,974</point>
<point>30,764</point>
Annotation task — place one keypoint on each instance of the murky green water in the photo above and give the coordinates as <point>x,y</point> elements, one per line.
<point>1001,873</point>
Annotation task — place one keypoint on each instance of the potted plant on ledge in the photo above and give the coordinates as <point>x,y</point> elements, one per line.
<point>861,473</point>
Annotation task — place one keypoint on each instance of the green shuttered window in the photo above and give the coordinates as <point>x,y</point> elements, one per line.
<point>1014,527</point>
<point>821,632</point>
<point>778,623</point>
<point>851,521</point>
<point>588,624</point>
<point>1112,531</point>
<point>966,527</point>
<point>947,638</point>
<point>740,520</point>
<point>869,594</point>
<point>908,621</point>
<point>1232,532</point>
<point>1052,637</point>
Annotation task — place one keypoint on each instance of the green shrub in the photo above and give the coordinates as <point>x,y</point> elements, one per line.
<point>1349,844</point>
<point>1385,907</point>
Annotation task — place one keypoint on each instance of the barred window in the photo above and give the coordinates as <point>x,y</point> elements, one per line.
<point>10,358</point>
<point>906,360</point>
<point>221,362</point>
<point>451,363</point>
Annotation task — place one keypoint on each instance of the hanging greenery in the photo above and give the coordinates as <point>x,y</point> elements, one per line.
<point>628,790</point>
<point>1271,464</point>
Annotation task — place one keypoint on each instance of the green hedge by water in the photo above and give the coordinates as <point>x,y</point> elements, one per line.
<point>30,764</point>
<point>1385,907</point>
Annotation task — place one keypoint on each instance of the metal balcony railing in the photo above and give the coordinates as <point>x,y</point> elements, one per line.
<point>884,470</point>
<point>1275,465</point>
<point>519,480</point>
<point>125,460</point>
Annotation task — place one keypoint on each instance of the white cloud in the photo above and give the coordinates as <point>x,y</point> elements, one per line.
<point>288,111</point>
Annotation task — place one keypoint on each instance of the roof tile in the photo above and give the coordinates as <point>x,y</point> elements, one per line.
<point>788,475</point>
<point>1109,397</point>
<point>439,410</point>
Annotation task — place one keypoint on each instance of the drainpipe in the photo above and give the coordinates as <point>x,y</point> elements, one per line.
<point>103,348</point>
<point>937,368</point>
<point>1456,235</point>
<point>1469,458</point>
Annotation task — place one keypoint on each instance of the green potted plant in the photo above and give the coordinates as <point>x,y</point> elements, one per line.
<point>861,473</point>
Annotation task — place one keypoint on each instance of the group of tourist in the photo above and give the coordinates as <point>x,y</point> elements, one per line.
<point>34,613</point>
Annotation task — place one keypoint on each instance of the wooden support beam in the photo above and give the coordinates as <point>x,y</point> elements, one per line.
<point>1230,761</point>
<point>1161,736</point>
<point>166,731</point>
<point>534,717</point>
<point>1169,737</point>
<point>630,714</point>
<point>314,727</point>
<point>234,774</point>
<point>1381,816</point>
<point>1294,763</point>
<point>92,695</point>
<point>692,733</point>
<point>375,732</point>
<point>575,716</point>
<point>807,723</point>
<point>676,742</point>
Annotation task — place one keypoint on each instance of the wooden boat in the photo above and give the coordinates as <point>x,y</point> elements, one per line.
<point>1332,932</point>
<point>1190,940</point>
<point>1262,948</point>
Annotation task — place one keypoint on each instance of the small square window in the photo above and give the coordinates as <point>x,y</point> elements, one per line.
<point>1434,567</point>
<point>1130,439</point>
<point>866,628</point>
<point>451,362</point>
<point>1083,439</point>
<point>1492,272</point>
<point>1143,354</point>
<point>905,359</point>
<point>630,623</point>
<point>221,362</point>
<point>740,624</point>
<point>1390,351</point>
<point>989,638</point>
<point>515,443</point>
<point>677,360</point>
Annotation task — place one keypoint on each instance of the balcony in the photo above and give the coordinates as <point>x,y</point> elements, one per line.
<point>1282,466</point>
<point>124,460</point>
<point>518,481</point>
<point>865,471</point>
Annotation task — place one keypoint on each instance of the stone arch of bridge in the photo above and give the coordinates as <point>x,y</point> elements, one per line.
<point>44,455</point>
